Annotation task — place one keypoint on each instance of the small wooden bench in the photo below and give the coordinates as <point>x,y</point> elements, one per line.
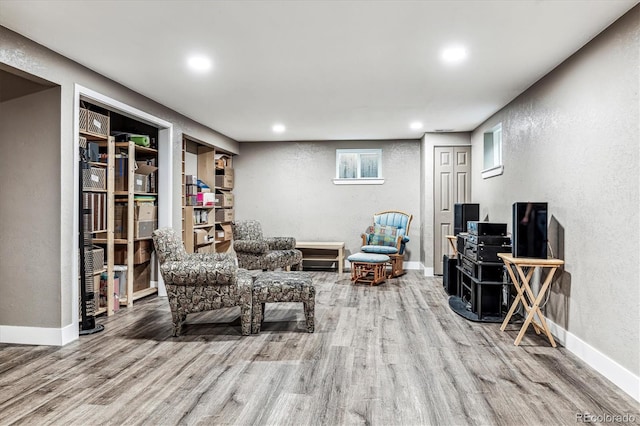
<point>322,251</point>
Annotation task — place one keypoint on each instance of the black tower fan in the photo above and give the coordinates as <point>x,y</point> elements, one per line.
<point>87,297</point>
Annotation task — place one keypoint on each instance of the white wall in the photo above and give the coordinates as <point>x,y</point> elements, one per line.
<point>288,187</point>
<point>573,141</point>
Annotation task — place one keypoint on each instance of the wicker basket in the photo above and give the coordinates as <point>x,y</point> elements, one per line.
<point>94,259</point>
<point>83,142</point>
<point>94,178</point>
<point>83,118</point>
<point>97,123</point>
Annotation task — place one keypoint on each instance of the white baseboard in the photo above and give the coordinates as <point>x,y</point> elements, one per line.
<point>38,335</point>
<point>428,271</point>
<point>620,376</point>
<point>412,265</point>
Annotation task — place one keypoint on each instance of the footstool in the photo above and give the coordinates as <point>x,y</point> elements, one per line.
<point>368,267</point>
<point>281,286</point>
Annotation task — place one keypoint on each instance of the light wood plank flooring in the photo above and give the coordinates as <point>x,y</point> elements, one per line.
<point>388,355</point>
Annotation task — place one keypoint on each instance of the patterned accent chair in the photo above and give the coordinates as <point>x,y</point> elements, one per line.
<point>388,235</point>
<point>201,282</point>
<point>257,252</point>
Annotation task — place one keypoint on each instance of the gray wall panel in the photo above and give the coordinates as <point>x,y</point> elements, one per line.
<point>288,187</point>
<point>573,140</point>
<point>30,287</point>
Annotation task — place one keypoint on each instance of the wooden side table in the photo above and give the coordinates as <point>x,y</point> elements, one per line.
<point>529,301</point>
<point>322,251</point>
<point>452,242</point>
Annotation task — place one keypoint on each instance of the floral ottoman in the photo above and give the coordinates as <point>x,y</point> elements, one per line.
<point>281,286</point>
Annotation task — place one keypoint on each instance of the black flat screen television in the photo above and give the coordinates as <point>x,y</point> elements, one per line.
<point>529,236</point>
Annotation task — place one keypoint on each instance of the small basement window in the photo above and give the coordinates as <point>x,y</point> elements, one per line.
<point>358,167</point>
<point>492,165</point>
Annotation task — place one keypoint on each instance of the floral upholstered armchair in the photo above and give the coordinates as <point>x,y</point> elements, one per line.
<point>201,282</point>
<point>257,252</point>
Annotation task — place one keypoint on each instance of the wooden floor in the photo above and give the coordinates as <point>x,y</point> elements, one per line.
<point>388,355</point>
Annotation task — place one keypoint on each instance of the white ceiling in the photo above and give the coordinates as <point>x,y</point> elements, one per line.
<point>325,69</point>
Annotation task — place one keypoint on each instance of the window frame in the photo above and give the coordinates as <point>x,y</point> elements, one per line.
<point>492,146</point>
<point>358,179</point>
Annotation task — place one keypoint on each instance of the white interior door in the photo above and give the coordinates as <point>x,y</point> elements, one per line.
<point>452,184</point>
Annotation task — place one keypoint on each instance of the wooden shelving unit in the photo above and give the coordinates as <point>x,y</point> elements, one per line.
<point>136,287</point>
<point>131,176</point>
<point>207,163</point>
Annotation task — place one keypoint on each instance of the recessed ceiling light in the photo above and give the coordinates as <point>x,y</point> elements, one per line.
<point>416,125</point>
<point>199,63</point>
<point>278,128</point>
<point>454,54</point>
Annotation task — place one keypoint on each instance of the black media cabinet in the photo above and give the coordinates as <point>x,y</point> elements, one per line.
<point>479,296</point>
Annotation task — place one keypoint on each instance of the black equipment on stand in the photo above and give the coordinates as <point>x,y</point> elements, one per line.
<point>481,278</point>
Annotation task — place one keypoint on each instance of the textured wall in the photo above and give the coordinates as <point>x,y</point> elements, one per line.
<point>288,187</point>
<point>572,140</point>
<point>30,230</point>
<point>25,55</point>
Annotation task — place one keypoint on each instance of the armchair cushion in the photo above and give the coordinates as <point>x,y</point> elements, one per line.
<point>251,246</point>
<point>281,243</point>
<point>379,249</point>
<point>193,272</point>
<point>254,251</point>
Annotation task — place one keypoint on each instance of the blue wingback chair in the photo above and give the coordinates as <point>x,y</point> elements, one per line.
<point>388,235</point>
<point>397,219</point>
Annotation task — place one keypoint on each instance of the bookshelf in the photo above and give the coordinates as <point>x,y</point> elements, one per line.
<point>122,220</point>
<point>207,198</point>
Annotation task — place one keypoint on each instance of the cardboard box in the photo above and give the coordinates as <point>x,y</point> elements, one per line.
<point>227,171</point>
<point>224,233</point>
<point>145,212</point>
<point>223,160</point>
<point>141,252</point>
<point>121,181</point>
<point>224,199</point>
<point>142,168</point>
<point>200,236</point>
<point>224,181</point>
<point>144,228</point>
<point>224,215</point>
<point>224,247</point>
<point>119,229</point>
<point>142,276</point>
<point>120,211</point>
